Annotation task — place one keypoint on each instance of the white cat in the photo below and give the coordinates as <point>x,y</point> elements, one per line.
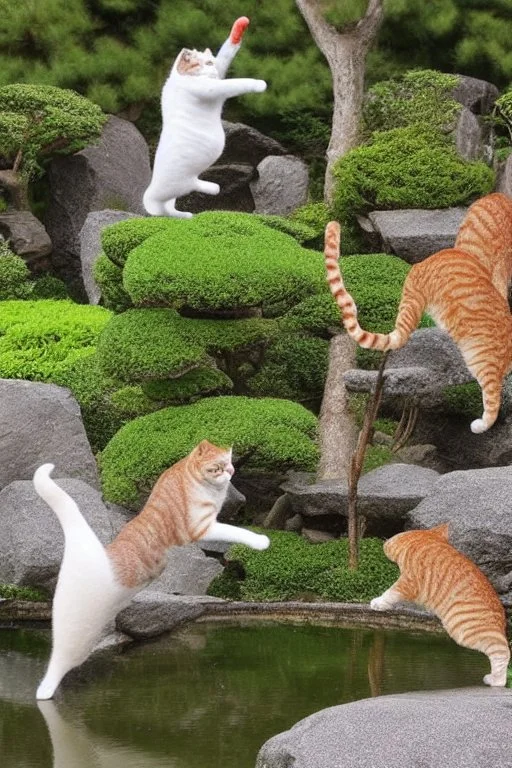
<point>192,135</point>
<point>96,582</point>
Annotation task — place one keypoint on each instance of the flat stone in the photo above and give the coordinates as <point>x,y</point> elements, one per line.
<point>27,236</point>
<point>90,246</point>
<point>281,185</point>
<point>32,541</point>
<point>462,728</point>
<point>152,613</point>
<point>42,423</point>
<point>414,234</point>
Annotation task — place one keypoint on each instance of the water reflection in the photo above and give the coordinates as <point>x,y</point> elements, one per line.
<point>209,695</point>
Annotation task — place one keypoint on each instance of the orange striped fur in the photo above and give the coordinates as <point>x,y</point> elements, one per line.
<point>182,506</point>
<point>438,576</point>
<point>464,289</point>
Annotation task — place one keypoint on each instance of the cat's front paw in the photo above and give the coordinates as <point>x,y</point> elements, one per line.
<point>260,86</point>
<point>478,426</point>
<point>260,542</point>
<point>378,604</point>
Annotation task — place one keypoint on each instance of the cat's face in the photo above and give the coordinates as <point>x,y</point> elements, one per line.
<point>195,63</point>
<point>213,464</point>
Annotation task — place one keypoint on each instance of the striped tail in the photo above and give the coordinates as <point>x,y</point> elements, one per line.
<point>347,305</point>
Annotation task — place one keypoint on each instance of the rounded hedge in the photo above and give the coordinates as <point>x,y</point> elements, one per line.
<point>275,435</point>
<point>14,275</point>
<point>109,278</point>
<point>220,261</point>
<point>119,239</point>
<point>144,344</point>
<point>40,339</point>
<point>292,567</point>
<point>197,383</point>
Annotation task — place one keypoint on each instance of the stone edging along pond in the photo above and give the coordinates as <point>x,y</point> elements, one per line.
<point>17,613</point>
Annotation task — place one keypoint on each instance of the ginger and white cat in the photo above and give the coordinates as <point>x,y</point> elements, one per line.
<point>95,582</point>
<point>464,289</point>
<point>192,135</point>
<point>439,577</point>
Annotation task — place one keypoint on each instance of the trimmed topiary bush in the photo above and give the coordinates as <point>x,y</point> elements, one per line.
<point>292,567</point>
<point>404,168</point>
<point>109,278</point>
<point>197,383</point>
<point>40,339</point>
<point>302,233</point>
<point>274,435</point>
<point>144,344</point>
<point>221,261</point>
<point>14,275</point>
<point>119,239</point>
<point>316,314</point>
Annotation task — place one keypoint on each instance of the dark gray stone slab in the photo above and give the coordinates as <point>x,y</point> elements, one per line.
<point>152,613</point>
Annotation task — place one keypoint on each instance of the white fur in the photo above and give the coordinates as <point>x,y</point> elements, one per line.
<point>88,595</point>
<point>192,135</point>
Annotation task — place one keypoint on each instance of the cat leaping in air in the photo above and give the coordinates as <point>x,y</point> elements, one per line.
<point>192,135</point>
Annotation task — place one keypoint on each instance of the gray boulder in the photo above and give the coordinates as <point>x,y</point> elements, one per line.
<point>188,572</point>
<point>415,234</point>
<point>27,236</point>
<point>246,145</point>
<point>90,246</point>
<point>281,185</point>
<point>112,174</point>
<point>421,370</point>
<point>235,193</point>
<point>385,495</point>
<point>463,728</point>
<point>42,423</point>
<point>152,613</point>
<point>477,95</point>
<point>32,541</point>
<point>504,177</point>
<point>476,503</point>
<point>469,136</point>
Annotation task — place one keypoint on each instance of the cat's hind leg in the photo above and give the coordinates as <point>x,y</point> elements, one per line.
<point>207,187</point>
<point>499,656</point>
<point>170,210</point>
<point>490,378</point>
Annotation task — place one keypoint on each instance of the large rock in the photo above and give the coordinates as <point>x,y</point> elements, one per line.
<point>281,185</point>
<point>466,728</point>
<point>188,572</point>
<point>421,370</point>
<point>504,177</point>
<point>42,423</point>
<point>415,234</point>
<point>90,246</point>
<point>385,495</point>
<point>152,613</point>
<point>32,541</point>
<point>27,236</point>
<point>246,145</point>
<point>235,192</point>
<point>112,174</point>
<point>469,136</point>
<point>476,503</point>
<point>477,95</point>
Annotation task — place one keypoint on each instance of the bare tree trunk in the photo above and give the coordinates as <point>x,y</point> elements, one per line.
<point>337,428</point>
<point>346,55</point>
<point>16,187</point>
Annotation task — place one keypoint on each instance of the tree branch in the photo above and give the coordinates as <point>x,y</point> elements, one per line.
<point>369,25</point>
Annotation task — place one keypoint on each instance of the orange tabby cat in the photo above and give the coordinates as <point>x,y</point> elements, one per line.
<point>463,288</point>
<point>95,582</point>
<point>438,576</point>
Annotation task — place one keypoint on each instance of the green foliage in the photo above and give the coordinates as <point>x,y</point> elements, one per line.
<point>220,261</point>
<point>196,383</point>
<point>295,366</point>
<point>276,434</point>
<point>109,278</point>
<point>42,120</point>
<point>404,168</point>
<point>376,456</point>
<point>316,314</point>
<point>15,592</point>
<point>40,339</point>
<point>419,97</point>
<point>316,216</point>
<point>119,239</point>
<point>292,567</point>
<point>143,344</point>
<point>14,275</point>
<point>49,287</point>
<point>463,399</point>
<point>296,229</point>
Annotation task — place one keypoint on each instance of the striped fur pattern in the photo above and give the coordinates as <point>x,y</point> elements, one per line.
<point>439,577</point>
<point>95,582</point>
<point>464,289</point>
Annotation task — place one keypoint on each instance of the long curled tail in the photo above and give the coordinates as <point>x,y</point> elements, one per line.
<point>62,504</point>
<point>347,305</point>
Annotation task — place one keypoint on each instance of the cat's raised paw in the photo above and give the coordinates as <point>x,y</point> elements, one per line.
<point>260,86</point>
<point>261,542</point>
<point>478,426</point>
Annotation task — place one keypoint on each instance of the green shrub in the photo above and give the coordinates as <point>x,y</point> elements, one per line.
<point>119,239</point>
<point>404,168</point>
<point>376,456</point>
<point>40,339</point>
<point>49,287</point>
<point>219,261</point>
<point>14,275</point>
<point>295,367</point>
<point>196,383</point>
<point>419,97</point>
<point>15,592</point>
<point>463,400</point>
<point>316,314</point>
<point>296,229</point>
<point>143,344</point>
<point>109,278</point>
<point>292,567</point>
<point>276,434</point>
<point>316,216</point>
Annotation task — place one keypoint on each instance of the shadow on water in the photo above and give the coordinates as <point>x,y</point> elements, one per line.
<point>209,695</point>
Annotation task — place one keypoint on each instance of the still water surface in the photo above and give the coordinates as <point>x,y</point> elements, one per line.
<point>209,695</point>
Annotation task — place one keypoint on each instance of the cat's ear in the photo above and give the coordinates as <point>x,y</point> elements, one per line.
<point>441,530</point>
<point>208,52</point>
<point>183,60</point>
<point>202,447</point>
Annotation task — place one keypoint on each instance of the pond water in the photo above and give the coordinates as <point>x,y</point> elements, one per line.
<point>209,695</point>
